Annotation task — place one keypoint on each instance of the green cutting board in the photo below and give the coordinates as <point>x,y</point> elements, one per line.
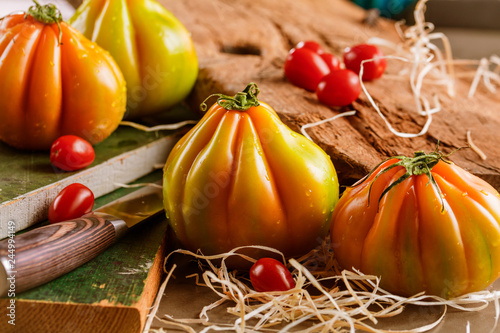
<point>29,183</point>
<point>111,293</point>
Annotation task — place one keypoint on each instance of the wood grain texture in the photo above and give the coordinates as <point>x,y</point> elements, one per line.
<point>240,41</point>
<point>45,253</point>
<point>111,293</point>
<point>48,317</point>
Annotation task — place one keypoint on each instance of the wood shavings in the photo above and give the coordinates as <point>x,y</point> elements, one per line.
<point>306,126</point>
<point>486,75</point>
<point>475,148</point>
<point>158,127</point>
<point>324,299</point>
<point>497,313</point>
<point>138,185</point>
<point>423,105</point>
<point>427,59</point>
<point>156,305</point>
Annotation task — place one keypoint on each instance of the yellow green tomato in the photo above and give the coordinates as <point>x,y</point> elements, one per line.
<point>151,46</point>
<point>242,177</point>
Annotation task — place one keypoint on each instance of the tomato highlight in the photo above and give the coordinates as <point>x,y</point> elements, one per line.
<point>373,69</point>
<point>331,61</point>
<point>311,45</point>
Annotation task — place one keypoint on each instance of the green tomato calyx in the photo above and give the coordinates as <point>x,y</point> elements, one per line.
<point>420,164</point>
<point>48,14</point>
<point>242,101</point>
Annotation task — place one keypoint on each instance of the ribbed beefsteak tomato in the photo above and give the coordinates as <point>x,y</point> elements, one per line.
<point>54,82</point>
<point>242,177</point>
<point>421,224</point>
<point>152,47</point>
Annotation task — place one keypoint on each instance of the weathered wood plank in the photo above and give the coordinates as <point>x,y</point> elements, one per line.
<point>243,41</point>
<point>32,206</point>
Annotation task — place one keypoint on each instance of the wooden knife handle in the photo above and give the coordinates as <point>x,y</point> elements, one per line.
<point>42,254</point>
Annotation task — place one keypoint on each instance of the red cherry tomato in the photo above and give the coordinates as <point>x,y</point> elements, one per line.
<point>353,57</point>
<point>339,88</point>
<point>269,274</point>
<point>311,45</point>
<point>305,68</point>
<point>331,60</point>
<point>72,202</point>
<point>70,152</point>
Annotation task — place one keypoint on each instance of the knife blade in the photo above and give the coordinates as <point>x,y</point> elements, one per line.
<point>43,254</point>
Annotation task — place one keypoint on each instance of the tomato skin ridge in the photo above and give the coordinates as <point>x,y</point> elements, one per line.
<point>472,205</point>
<point>184,147</point>
<point>32,50</point>
<point>383,225</point>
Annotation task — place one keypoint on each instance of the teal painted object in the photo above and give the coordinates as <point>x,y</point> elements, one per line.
<point>387,8</point>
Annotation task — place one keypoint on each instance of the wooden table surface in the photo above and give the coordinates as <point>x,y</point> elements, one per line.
<point>241,41</point>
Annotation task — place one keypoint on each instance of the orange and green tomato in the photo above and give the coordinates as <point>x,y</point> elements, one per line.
<point>151,46</point>
<point>242,177</point>
<point>51,87</point>
<point>439,237</point>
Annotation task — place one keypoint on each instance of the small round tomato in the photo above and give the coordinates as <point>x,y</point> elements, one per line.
<point>339,88</point>
<point>353,56</point>
<point>268,274</point>
<point>305,68</point>
<point>73,201</point>
<point>70,153</point>
<point>331,60</point>
<point>311,45</point>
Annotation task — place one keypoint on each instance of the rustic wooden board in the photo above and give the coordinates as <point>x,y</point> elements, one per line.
<point>247,40</point>
<point>111,293</point>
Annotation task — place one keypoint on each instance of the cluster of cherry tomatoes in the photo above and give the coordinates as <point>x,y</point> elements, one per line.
<point>310,67</point>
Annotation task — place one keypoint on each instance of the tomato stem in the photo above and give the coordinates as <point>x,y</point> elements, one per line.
<point>48,14</point>
<point>420,164</point>
<point>242,101</point>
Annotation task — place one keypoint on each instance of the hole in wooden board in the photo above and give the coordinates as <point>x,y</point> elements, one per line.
<point>245,49</point>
